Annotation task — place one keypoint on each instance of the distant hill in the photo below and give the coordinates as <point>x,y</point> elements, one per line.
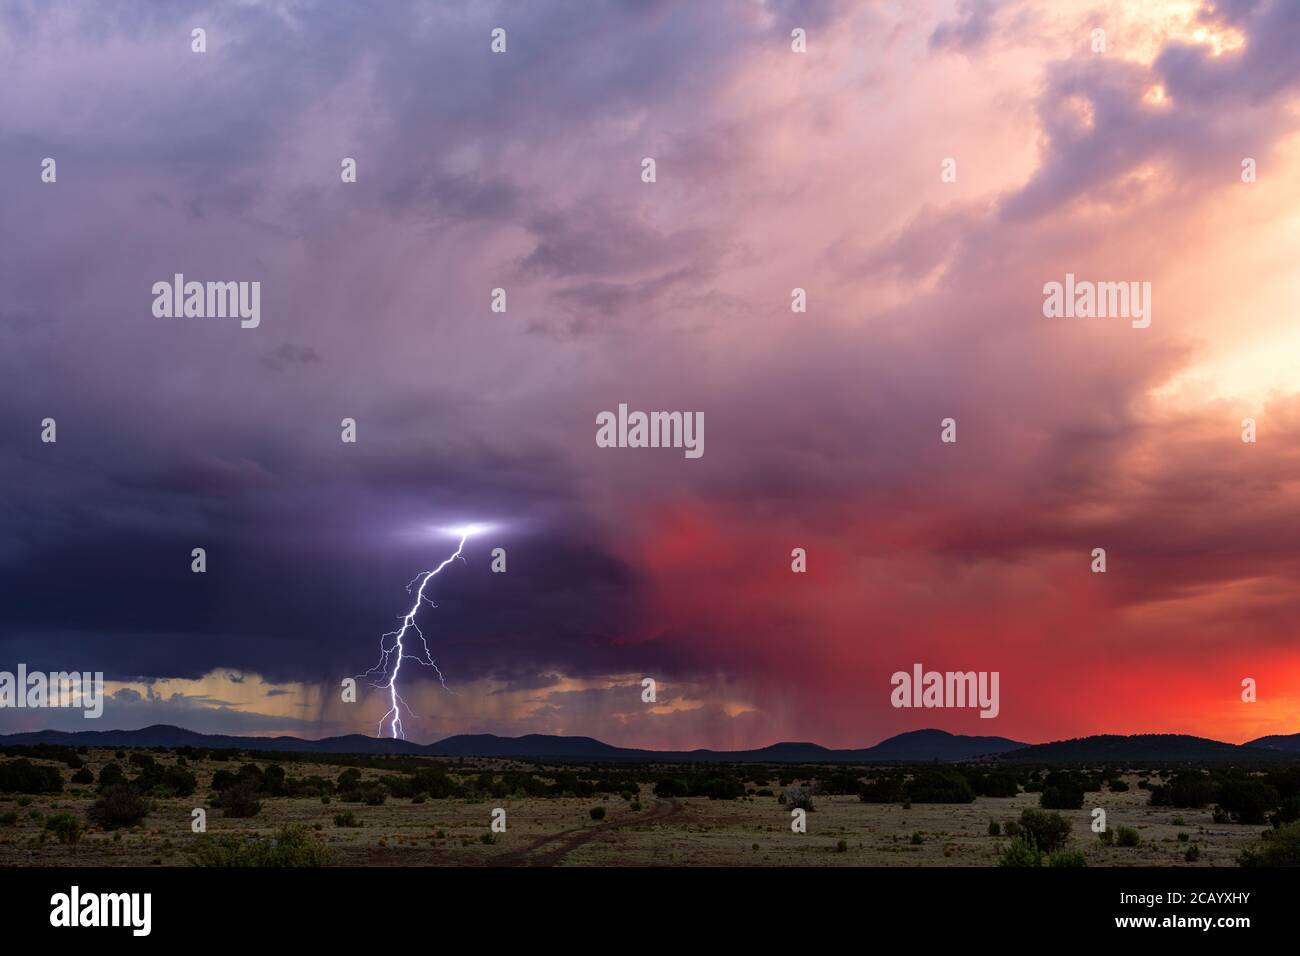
<point>1286,743</point>
<point>165,735</point>
<point>938,745</point>
<point>920,745</point>
<point>1167,748</point>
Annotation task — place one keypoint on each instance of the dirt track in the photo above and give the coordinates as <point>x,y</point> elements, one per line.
<point>551,849</point>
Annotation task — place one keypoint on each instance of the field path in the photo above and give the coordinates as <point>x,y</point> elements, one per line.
<point>551,849</point>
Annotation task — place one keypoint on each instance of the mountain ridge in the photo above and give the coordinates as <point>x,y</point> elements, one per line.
<point>915,746</point>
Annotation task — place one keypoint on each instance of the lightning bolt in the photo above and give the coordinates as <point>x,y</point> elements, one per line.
<point>395,652</point>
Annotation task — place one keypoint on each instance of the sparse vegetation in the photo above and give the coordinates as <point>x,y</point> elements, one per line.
<point>120,805</point>
<point>66,827</point>
<point>293,845</point>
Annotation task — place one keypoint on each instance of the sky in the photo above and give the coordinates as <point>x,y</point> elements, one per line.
<point>824,170</point>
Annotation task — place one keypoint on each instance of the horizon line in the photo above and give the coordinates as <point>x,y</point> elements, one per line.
<point>1021,743</point>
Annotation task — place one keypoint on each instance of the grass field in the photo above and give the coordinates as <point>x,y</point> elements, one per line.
<point>750,830</point>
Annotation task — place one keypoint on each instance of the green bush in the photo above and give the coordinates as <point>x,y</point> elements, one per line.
<point>598,813</point>
<point>840,782</point>
<point>83,776</point>
<point>240,800</point>
<point>1188,790</point>
<point>939,786</point>
<point>1020,852</point>
<point>1046,831</point>
<point>294,845</point>
<point>111,776</point>
<point>66,827</point>
<point>1067,858</point>
<point>842,846</point>
<point>1247,801</point>
<point>1280,847</point>
<point>801,798</point>
<point>882,790</point>
<point>994,828</point>
<point>918,838</point>
<point>1193,853</point>
<point>1061,795</point>
<point>1127,836</point>
<point>347,819</point>
<point>120,805</point>
<point>23,776</point>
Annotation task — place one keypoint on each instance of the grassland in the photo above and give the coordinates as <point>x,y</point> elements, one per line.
<point>638,828</point>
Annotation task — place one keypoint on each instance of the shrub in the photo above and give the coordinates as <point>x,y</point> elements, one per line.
<point>883,790</point>
<point>598,813</point>
<point>1011,828</point>
<point>1189,790</point>
<point>1280,847</point>
<point>720,788</point>
<point>939,786</point>
<point>347,819</point>
<point>636,806</point>
<point>143,761</point>
<point>1020,852</point>
<point>293,845</point>
<point>918,838</point>
<point>994,828</point>
<point>111,776</point>
<point>23,776</point>
<point>66,827</point>
<point>800,798</point>
<point>842,846</point>
<point>1067,858</point>
<point>994,785</point>
<point>1118,786</point>
<point>1127,836</point>
<point>488,838</point>
<point>1061,794</point>
<point>240,800</point>
<point>1046,831</point>
<point>120,805</point>
<point>9,819</point>
<point>1193,853</point>
<point>179,781</point>
<point>349,779</point>
<point>841,782</point>
<point>83,776</point>
<point>1247,801</point>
